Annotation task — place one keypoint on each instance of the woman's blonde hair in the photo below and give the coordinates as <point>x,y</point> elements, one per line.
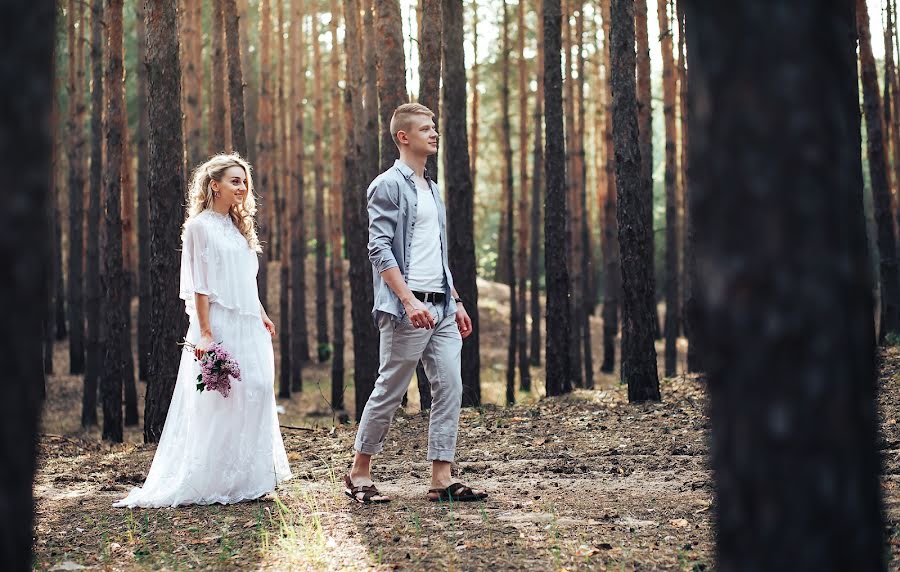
<point>200,194</point>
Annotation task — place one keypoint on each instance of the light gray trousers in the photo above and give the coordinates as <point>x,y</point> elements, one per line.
<point>401,348</point>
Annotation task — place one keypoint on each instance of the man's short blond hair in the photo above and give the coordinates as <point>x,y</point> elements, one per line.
<point>402,118</point>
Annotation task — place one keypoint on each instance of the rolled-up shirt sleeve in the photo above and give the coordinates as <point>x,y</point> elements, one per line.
<point>384,211</point>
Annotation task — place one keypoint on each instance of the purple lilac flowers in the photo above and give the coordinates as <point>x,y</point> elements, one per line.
<point>217,367</point>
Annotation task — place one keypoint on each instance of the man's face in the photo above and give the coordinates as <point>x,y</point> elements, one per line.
<point>422,137</point>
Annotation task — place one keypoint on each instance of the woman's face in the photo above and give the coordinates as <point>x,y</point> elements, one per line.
<point>232,188</point>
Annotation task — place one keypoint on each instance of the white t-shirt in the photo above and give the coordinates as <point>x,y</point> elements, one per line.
<point>426,267</point>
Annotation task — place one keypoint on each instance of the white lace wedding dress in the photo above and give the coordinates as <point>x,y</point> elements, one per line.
<point>216,449</point>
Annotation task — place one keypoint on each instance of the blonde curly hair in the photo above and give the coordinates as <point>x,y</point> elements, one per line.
<point>200,194</point>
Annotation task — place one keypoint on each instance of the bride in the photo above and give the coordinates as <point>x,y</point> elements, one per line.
<point>214,448</point>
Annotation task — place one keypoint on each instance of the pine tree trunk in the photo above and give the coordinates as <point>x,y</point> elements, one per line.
<point>251,89</point>
<point>672,243</point>
<point>114,280</point>
<point>143,201</point>
<point>611,259</point>
<point>807,415</point>
<point>75,151</point>
<point>635,237</point>
<point>264,149</point>
<point>218,82</point>
<point>299,345</point>
<point>389,61</point>
<point>537,199</point>
<point>129,266</point>
<point>430,69</point>
<point>194,81</point>
<point>522,261</point>
<point>286,205</point>
<point>278,230</point>
<point>559,378</point>
<point>365,336</point>
<point>460,194</point>
<point>886,235</point>
<point>235,77</point>
<point>581,231</point>
<point>371,158</point>
<point>476,96</point>
<point>94,346</point>
<point>507,243</point>
<point>336,211</point>
<point>893,108</point>
<point>26,150</point>
<point>166,192</point>
<point>323,347</point>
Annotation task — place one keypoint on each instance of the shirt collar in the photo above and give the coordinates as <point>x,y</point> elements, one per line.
<point>407,171</point>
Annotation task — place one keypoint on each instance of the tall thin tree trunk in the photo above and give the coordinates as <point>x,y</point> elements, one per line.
<point>581,231</point>
<point>264,148</point>
<point>635,240</point>
<point>275,177</point>
<point>26,149</point>
<point>522,261</point>
<point>365,336</point>
<point>430,69</point>
<point>537,199</point>
<point>218,82</point>
<point>672,243</point>
<point>143,200</point>
<point>611,259</point>
<point>371,159</point>
<point>129,264</point>
<point>235,77</point>
<point>113,278</point>
<point>507,242</point>
<point>251,89</point>
<point>476,96</point>
<point>460,194</point>
<point>94,347</point>
<point>389,61</point>
<point>336,212</point>
<point>76,199</point>
<point>299,345</point>
<point>166,192</point>
<point>194,82</point>
<point>559,378</point>
<point>886,235</point>
<point>323,347</point>
<point>892,109</point>
<point>286,205</point>
<point>807,415</point>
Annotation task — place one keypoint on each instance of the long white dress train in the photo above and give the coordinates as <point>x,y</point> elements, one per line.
<point>216,449</point>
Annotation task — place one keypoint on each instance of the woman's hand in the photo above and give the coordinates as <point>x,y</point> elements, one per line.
<point>270,327</point>
<point>206,340</point>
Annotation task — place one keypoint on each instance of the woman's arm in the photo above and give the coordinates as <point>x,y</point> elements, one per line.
<point>270,326</point>
<point>201,302</point>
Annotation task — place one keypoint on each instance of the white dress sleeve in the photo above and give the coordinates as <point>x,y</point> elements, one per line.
<point>198,269</point>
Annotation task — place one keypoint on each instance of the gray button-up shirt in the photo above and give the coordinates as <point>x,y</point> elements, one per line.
<point>392,206</point>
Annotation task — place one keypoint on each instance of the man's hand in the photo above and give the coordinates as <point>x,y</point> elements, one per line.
<point>463,321</point>
<point>418,313</point>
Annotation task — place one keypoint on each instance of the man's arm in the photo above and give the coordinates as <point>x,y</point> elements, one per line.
<point>419,316</point>
<point>383,208</point>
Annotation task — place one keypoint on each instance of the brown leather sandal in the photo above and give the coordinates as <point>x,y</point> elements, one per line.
<point>456,492</point>
<point>363,495</point>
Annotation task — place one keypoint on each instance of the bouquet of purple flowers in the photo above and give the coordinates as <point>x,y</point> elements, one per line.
<point>217,367</point>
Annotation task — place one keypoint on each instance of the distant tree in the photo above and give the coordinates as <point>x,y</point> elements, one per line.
<point>476,96</point>
<point>75,144</point>
<point>582,231</point>
<point>522,244</point>
<point>878,172</point>
<point>25,149</point>
<point>166,186</point>
<point>537,199</point>
<point>573,213</point>
<point>634,199</point>
<point>612,273</point>
<point>264,147</point>
<point>507,242</point>
<point>371,158</point>
<point>559,378</point>
<point>143,173</point>
<point>235,77</point>
<point>430,68</point>
<point>192,24</point>
<point>323,347</point>
<point>460,194</point>
<point>336,215</point>
<point>114,280</point>
<point>786,310</point>
<point>389,60</point>
<point>218,137</point>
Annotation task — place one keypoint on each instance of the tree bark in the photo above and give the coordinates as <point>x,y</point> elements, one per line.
<point>75,144</point>
<point>537,199</point>
<point>336,211</point>
<point>559,378</point>
<point>774,280</point>
<point>586,304</point>
<point>476,96</point>
<point>193,82</point>
<point>25,149</point>
<point>891,80</point>
<point>113,279</point>
<point>878,173</point>
<point>612,290</point>
<point>323,347</point>
<point>522,260</point>
<point>166,192</point>
<point>218,137</point>
<point>460,194</point>
<point>430,69</point>
<point>264,148</point>
<point>371,158</point>
<point>235,77</point>
<point>635,237</point>
<point>507,241</point>
<point>389,62</point>
<point>672,242</point>
<point>143,200</point>
<point>94,346</point>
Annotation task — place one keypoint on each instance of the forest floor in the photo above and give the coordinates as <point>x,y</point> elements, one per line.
<point>582,482</point>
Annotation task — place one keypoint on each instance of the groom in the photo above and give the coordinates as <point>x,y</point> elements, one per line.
<point>417,309</point>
